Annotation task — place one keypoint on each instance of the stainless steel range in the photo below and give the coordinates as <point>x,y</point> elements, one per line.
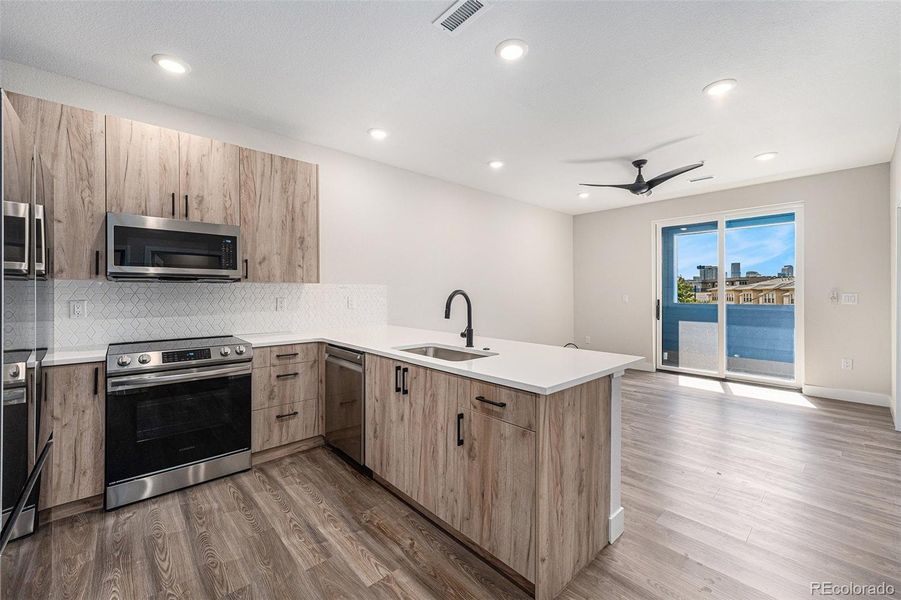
<point>177,413</point>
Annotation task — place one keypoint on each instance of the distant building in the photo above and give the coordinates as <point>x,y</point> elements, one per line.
<point>753,274</point>
<point>787,271</point>
<point>770,290</point>
<point>708,272</point>
<point>736,270</point>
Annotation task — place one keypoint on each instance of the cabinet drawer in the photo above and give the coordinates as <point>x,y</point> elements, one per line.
<point>518,409</point>
<point>280,425</point>
<point>282,384</point>
<point>293,353</point>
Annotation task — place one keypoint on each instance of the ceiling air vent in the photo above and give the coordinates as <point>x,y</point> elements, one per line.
<point>462,13</point>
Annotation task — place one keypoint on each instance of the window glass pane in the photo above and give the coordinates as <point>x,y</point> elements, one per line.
<point>760,296</point>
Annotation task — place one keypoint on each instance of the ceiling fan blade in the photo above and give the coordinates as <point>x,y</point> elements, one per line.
<point>624,186</point>
<point>652,183</point>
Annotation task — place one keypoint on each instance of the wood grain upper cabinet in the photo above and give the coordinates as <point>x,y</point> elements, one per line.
<point>279,218</point>
<point>141,169</point>
<point>73,409</point>
<point>18,152</point>
<point>71,143</point>
<point>208,180</point>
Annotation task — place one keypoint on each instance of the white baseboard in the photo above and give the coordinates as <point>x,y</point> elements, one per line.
<point>616,523</point>
<point>644,365</point>
<point>847,395</point>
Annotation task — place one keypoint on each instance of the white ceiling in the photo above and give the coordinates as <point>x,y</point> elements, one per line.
<point>818,82</point>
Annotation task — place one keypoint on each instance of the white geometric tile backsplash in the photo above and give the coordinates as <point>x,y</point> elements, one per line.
<point>134,311</point>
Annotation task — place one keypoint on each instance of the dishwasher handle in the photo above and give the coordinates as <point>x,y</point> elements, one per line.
<point>331,358</point>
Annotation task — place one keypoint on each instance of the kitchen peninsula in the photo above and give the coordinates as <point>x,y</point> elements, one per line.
<point>515,453</point>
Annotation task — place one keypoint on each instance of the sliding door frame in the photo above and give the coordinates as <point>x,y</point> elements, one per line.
<point>720,217</point>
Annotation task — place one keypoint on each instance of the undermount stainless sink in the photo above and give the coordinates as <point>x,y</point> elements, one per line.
<point>447,352</point>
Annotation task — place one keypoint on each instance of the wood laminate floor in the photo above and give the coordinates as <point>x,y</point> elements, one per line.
<point>731,492</point>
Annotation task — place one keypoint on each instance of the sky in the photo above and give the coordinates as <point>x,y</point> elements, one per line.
<point>764,249</point>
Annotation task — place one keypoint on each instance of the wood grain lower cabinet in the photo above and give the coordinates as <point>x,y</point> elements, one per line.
<point>386,420</point>
<point>73,408</point>
<point>71,143</point>
<point>280,425</point>
<point>286,395</point>
<point>141,169</point>
<point>496,479</point>
<point>281,384</point>
<point>523,478</point>
<point>279,218</point>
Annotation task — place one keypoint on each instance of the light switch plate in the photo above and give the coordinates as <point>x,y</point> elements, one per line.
<point>847,364</point>
<point>849,298</point>
<point>78,309</point>
<point>279,304</point>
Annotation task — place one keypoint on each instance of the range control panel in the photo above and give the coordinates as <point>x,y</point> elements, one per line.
<point>183,355</point>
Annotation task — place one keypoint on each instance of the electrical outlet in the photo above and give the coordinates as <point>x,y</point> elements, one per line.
<point>587,339</point>
<point>78,309</point>
<point>350,303</point>
<point>625,298</point>
<point>847,364</point>
<point>279,304</point>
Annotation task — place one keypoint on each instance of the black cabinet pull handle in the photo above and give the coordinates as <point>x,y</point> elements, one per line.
<point>403,381</point>
<point>282,375</point>
<point>290,354</point>
<point>96,380</point>
<point>396,379</point>
<point>44,385</point>
<point>173,205</point>
<point>286,415</point>
<point>246,269</point>
<point>186,206</point>
<point>459,429</point>
<point>491,402</point>
<point>97,262</point>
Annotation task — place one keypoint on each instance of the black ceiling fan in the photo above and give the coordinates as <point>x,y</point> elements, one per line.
<point>642,187</point>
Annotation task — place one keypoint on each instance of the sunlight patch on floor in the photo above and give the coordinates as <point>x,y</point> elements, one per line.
<point>744,390</point>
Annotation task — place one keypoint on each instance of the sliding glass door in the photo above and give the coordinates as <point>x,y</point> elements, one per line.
<point>727,296</point>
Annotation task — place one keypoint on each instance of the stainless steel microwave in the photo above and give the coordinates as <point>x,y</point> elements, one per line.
<point>139,247</point>
<point>16,238</point>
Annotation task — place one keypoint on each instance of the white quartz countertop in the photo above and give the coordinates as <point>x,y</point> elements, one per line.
<point>531,367</point>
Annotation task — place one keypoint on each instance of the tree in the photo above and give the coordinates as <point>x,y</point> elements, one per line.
<point>684,292</point>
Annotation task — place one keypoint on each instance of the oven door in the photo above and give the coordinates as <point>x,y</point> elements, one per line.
<point>164,420</point>
<point>16,240</point>
<point>154,247</point>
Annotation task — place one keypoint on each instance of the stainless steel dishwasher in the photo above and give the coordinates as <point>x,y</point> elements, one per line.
<point>345,402</point>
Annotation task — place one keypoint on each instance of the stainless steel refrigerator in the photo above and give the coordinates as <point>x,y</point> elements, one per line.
<point>27,322</point>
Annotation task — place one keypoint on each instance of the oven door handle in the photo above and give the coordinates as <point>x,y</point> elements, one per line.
<point>154,379</point>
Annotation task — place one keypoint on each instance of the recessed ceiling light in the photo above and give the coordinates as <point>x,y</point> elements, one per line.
<point>766,156</point>
<point>496,164</point>
<point>512,50</point>
<point>583,195</point>
<point>683,229</point>
<point>378,134</point>
<point>171,64</point>
<point>718,88</point>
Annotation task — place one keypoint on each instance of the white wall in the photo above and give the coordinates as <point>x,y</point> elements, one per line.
<point>846,246</point>
<point>420,236</point>
<point>894,212</point>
